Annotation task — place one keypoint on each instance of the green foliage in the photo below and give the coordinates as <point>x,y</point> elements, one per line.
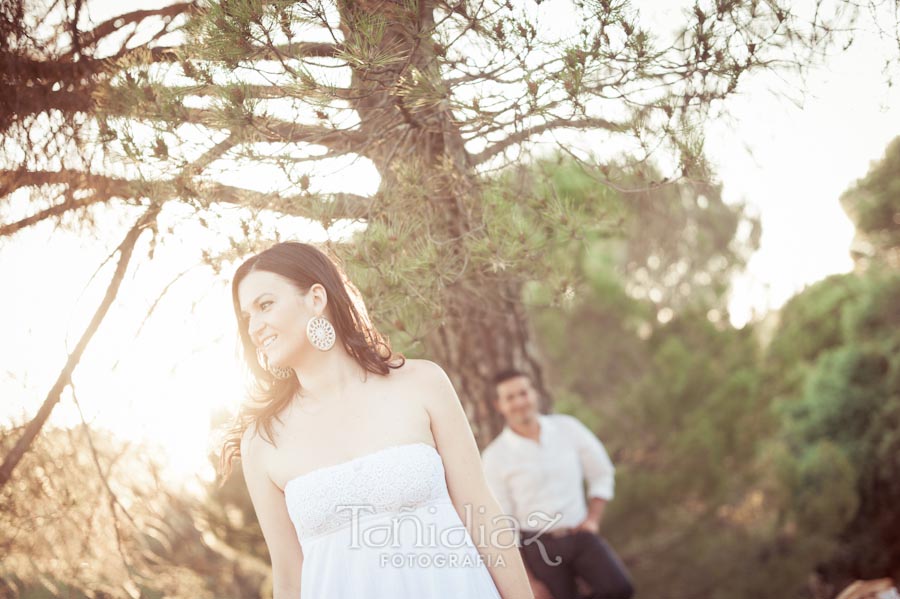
<point>678,405</point>
<point>730,457</point>
<point>684,424</point>
<point>716,475</point>
<point>877,313</point>
<point>833,372</point>
<point>531,220</point>
<point>821,482</point>
<point>874,202</point>
<point>840,421</point>
<point>809,323</point>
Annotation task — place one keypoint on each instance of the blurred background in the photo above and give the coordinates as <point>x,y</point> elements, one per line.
<point>681,218</point>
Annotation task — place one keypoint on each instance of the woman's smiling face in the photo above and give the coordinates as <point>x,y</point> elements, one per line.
<point>274,314</point>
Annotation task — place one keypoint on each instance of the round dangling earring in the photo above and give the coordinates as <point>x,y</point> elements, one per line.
<point>320,333</point>
<point>276,371</point>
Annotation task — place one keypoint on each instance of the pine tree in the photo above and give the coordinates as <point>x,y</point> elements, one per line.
<point>434,95</point>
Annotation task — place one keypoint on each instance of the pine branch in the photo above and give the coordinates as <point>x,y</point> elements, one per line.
<point>276,130</point>
<point>266,92</point>
<point>16,179</point>
<point>529,132</point>
<point>264,128</point>
<point>117,23</point>
<point>103,188</point>
<point>41,97</point>
<point>211,155</point>
<point>341,205</point>
<point>53,211</point>
<point>40,71</point>
<point>297,50</point>
<point>125,249</point>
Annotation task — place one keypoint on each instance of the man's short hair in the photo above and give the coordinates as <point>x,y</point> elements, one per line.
<point>509,373</point>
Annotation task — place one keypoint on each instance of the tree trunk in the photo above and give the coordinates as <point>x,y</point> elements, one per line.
<point>474,343</point>
<point>417,145</point>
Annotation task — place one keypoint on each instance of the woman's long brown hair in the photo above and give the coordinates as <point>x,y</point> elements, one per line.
<point>303,264</point>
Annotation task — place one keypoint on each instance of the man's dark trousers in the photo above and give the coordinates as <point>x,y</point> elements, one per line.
<point>556,561</point>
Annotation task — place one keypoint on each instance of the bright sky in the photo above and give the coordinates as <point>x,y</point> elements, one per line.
<point>800,160</point>
<point>788,163</point>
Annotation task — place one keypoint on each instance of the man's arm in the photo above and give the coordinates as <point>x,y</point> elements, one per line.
<point>598,469</point>
<point>595,515</point>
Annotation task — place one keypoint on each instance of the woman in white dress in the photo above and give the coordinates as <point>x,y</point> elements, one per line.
<point>361,465</point>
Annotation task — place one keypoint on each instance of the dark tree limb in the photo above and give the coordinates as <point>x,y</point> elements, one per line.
<point>115,24</point>
<point>529,132</point>
<point>104,188</point>
<point>344,205</point>
<point>125,249</point>
<point>299,50</point>
<point>113,499</point>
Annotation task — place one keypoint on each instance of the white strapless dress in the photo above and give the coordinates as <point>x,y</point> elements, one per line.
<point>382,526</point>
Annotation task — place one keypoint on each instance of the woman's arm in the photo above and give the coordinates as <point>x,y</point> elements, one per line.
<point>490,529</point>
<point>277,527</point>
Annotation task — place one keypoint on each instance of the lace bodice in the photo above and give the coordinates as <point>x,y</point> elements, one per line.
<point>388,480</point>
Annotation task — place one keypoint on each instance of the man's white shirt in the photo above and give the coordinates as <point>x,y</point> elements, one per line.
<point>537,482</point>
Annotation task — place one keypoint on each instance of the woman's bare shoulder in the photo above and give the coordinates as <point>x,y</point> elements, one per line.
<point>253,446</point>
<point>419,368</point>
<point>421,380</point>
<point>249,442</point>
<point>429,384</point>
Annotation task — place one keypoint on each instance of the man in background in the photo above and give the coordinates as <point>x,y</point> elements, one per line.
<point>536,468</point>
